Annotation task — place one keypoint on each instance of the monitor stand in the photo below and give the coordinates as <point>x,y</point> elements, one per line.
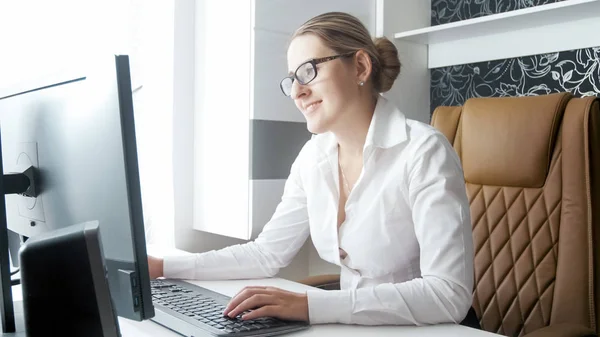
<point>21,183</point>
<point>19,320</point>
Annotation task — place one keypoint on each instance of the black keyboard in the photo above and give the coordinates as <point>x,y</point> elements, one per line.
<point>204,308</point>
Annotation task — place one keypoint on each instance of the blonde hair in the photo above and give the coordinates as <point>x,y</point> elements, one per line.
<point>344,33</point>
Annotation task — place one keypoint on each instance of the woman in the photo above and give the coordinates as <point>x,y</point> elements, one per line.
<point>382,196</point>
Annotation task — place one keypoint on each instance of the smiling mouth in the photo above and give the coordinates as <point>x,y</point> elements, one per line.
<point>312,107</point>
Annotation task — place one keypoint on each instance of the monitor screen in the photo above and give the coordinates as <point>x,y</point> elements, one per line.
<point>78,133</point>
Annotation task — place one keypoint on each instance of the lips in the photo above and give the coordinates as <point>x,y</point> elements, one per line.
<point>308,108</point>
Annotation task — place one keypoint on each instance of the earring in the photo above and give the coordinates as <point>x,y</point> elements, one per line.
<point>361,83</point>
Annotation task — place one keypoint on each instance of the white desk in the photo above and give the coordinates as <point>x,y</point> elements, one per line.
<point>148,328</point>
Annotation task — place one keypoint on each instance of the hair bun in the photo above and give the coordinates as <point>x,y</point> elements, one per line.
<point>389,64</point>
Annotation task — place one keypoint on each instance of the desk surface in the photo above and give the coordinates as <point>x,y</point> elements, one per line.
<point>148,328</point>
<point>131,328</point>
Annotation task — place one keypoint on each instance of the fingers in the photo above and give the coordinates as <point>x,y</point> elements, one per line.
<point>266,311</point>
<point>244,294</point>
<point>255,301</point>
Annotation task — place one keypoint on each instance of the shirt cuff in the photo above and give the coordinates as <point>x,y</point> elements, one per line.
<point>179,267</point>
<point>331,306</point>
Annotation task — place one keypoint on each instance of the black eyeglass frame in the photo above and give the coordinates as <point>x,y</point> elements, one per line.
<point>314,63</point>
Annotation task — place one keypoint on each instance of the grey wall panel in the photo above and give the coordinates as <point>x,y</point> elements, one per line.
<point>274,146</point>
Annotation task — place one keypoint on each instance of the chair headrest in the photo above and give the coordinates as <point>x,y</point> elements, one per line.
<point>509,141</point>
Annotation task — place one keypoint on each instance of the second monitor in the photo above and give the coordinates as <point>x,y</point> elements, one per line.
<point>78,132</point>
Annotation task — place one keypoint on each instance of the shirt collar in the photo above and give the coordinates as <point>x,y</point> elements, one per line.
<point>387,129</point>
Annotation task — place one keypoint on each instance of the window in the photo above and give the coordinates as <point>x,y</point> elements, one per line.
<point>149,27</point>
<point>223,101</point>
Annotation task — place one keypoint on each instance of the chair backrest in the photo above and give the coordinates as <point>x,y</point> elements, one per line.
<point>532,170</point>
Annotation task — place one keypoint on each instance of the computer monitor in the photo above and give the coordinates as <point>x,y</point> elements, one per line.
<point>74,137</point>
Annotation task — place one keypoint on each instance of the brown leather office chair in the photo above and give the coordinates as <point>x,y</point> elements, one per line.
<point>532,170</point>
<point>531,167</point>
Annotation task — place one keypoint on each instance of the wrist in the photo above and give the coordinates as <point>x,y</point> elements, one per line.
<point>304,298</point>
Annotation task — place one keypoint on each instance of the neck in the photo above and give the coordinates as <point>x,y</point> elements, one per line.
<point>352,133</point>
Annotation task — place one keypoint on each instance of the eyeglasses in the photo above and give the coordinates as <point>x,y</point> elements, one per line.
<point>306,72</point>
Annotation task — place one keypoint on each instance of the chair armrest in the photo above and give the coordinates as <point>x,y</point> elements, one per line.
<point>327,282</point>
<point>563,330</point>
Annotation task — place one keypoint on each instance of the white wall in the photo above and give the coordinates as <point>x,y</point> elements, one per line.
<point>569,29</point>
<point>411,90</point>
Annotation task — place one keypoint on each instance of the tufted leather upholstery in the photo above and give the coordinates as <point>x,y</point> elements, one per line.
<point>532,171</point>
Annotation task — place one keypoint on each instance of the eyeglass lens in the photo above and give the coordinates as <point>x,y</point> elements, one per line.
<point>304,74</point>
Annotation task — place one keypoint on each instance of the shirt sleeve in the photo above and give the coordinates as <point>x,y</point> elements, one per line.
<point>274,248</point>
<point>441,216</point>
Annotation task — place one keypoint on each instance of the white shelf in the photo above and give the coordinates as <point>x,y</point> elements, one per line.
<point>538,16</point>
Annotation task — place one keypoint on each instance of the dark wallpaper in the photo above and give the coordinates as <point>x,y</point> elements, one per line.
<point>446,11</point>
<point>575,71</point>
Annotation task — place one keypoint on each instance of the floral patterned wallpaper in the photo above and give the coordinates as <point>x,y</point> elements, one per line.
<point>575,71</point>
<point>446,11</point>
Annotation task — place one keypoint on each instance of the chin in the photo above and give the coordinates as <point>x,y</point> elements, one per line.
<point>318,122</point>
<point>316,128</point>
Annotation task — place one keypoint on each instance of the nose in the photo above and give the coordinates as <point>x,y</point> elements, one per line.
<point>298,90</point>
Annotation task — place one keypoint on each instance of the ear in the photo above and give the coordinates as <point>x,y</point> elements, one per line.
<point>363,65</point>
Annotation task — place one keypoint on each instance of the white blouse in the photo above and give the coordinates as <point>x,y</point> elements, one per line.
<point>407,232</point>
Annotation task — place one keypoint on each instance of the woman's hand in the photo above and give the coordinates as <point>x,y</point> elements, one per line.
<point>268,302</point>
